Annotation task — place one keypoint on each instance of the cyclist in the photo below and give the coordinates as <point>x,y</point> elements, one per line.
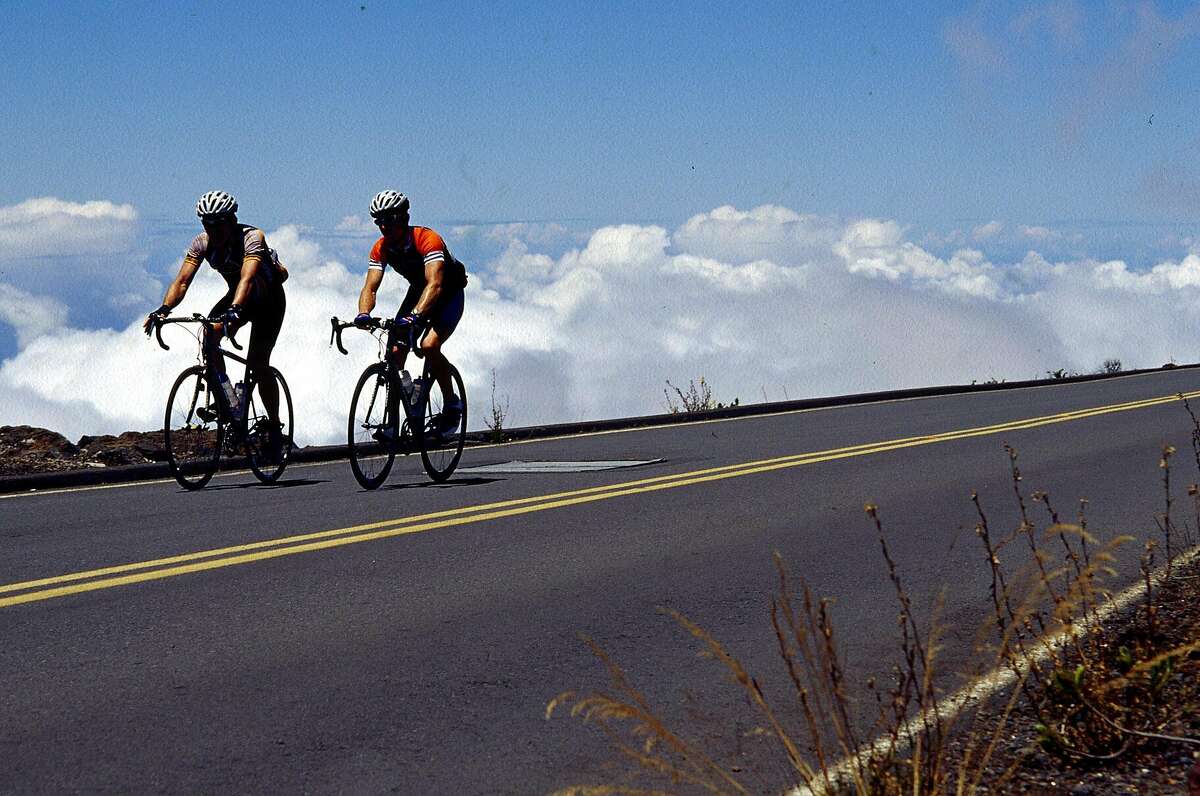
<point>251,269</point>
<point>433,305</point>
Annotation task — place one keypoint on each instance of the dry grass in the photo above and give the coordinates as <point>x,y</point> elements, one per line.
<point>698,397</point>
<point>497,421</point>
<point>1090,681</point>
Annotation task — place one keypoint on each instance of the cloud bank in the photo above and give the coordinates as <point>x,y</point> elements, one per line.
<point>761,302</point>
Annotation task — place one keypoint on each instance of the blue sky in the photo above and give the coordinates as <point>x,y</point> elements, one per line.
<point>940,115</point>
<point>789,199</point>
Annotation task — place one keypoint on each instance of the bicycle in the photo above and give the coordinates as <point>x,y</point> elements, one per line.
<point>200,423</point>
<point>389,416</point>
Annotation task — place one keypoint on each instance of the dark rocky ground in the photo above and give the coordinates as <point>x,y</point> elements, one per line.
<point>26,449</point>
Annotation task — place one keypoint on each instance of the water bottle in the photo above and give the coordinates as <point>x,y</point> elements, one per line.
<point>239,392</point>
<point>418,387</point>
<point>406,383</point>
<point>230,393</point>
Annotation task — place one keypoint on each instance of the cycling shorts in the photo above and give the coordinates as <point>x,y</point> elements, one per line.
<point>446,313</point>
<point>265,317</point>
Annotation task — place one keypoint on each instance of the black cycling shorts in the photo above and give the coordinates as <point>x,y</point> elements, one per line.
<point>265,318</point>
<point>446,314</point>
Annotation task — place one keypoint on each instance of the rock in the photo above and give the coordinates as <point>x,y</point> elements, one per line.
<point>27,449</point>
<point>131,447</point>
<point>33,441</point>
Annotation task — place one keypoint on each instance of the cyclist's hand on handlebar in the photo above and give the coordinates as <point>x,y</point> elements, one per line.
<point>154,318</point>
<point>234,317</point>
<point>362,320</point>
<point>413,320</point>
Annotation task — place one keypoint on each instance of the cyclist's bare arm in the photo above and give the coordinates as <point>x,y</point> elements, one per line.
<point>366,299</point>
<point>433,287</point>
<point>183,280</point>
<point>178,288</point>
<point>250,265</point>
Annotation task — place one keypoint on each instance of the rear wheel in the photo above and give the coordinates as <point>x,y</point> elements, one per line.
<point>268,442</point>
<point>443,429</point>
<point>192,429</point>
<point>372,435</point>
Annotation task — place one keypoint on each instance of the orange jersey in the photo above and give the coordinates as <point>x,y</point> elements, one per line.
<point>420,247</point>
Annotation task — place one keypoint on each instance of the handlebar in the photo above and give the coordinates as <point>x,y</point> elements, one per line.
<point>384,324</point>
<point>196,317</point>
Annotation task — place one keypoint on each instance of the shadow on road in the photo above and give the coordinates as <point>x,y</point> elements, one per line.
<point>445,485</point>
<point>277,485</point>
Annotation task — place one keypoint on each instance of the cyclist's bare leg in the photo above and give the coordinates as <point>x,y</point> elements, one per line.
<point>398,356</point>
<point>212,350</point>
<point>431,346</point>
<point>268,388</point>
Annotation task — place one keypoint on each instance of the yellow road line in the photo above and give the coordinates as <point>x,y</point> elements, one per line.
<point>33,493</point>
<point>137,572</point>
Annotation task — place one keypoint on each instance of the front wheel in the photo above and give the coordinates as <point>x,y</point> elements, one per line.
<point>443,429</point>
<point>371,435</point>
<point>192,428</point>
<point>268,441</point>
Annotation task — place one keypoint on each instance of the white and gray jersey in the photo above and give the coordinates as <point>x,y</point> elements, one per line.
<point>227,260</point>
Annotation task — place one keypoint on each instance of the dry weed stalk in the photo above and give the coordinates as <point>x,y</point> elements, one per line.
<point>1049,632</point>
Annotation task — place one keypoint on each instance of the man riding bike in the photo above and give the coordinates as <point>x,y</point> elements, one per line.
<point>254,275</point>
<point>433,305</point>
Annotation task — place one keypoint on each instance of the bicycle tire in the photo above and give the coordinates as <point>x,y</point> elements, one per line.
<point>371,459</point>
<point>268,465</point>
<point>440,452</point>
<point>193,444</point>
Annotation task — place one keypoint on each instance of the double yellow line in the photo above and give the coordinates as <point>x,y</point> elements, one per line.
<point>138,572</point>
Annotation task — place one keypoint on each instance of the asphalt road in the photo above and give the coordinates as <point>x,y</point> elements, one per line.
<point>312,637</point>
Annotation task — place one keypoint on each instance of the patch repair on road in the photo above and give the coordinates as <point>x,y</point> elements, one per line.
<point>556,467</point>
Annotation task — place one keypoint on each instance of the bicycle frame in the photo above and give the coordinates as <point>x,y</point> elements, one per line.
<point>418,425</point>
<point>264,436</point>
<point>382,325</point>
<point>209,323</point>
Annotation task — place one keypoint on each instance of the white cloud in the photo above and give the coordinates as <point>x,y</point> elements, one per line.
<point>82,255</point>
<point>536,233</point>
<point>876,248</point>
<point>49,226</point>
<point>986,231</point>
<point>31,316</point>
<point>767,232</point>
<point>357,225</point>
<point>763,299</point>
<point>1040,233</point>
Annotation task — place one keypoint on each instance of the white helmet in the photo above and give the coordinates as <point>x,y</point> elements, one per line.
<point>388,203</point>
<point>216,203</point>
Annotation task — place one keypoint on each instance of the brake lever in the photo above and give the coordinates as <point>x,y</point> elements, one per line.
<point>225,330</point>
<point>412,342</point>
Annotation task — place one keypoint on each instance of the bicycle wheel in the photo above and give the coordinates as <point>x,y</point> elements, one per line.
<point>192,428</point>
<point>371,432</point>
<point>441,436</point>
<point>268,442</point>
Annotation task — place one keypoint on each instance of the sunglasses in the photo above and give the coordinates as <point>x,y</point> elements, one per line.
<point>212,221</point>
<point>388,221</point>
